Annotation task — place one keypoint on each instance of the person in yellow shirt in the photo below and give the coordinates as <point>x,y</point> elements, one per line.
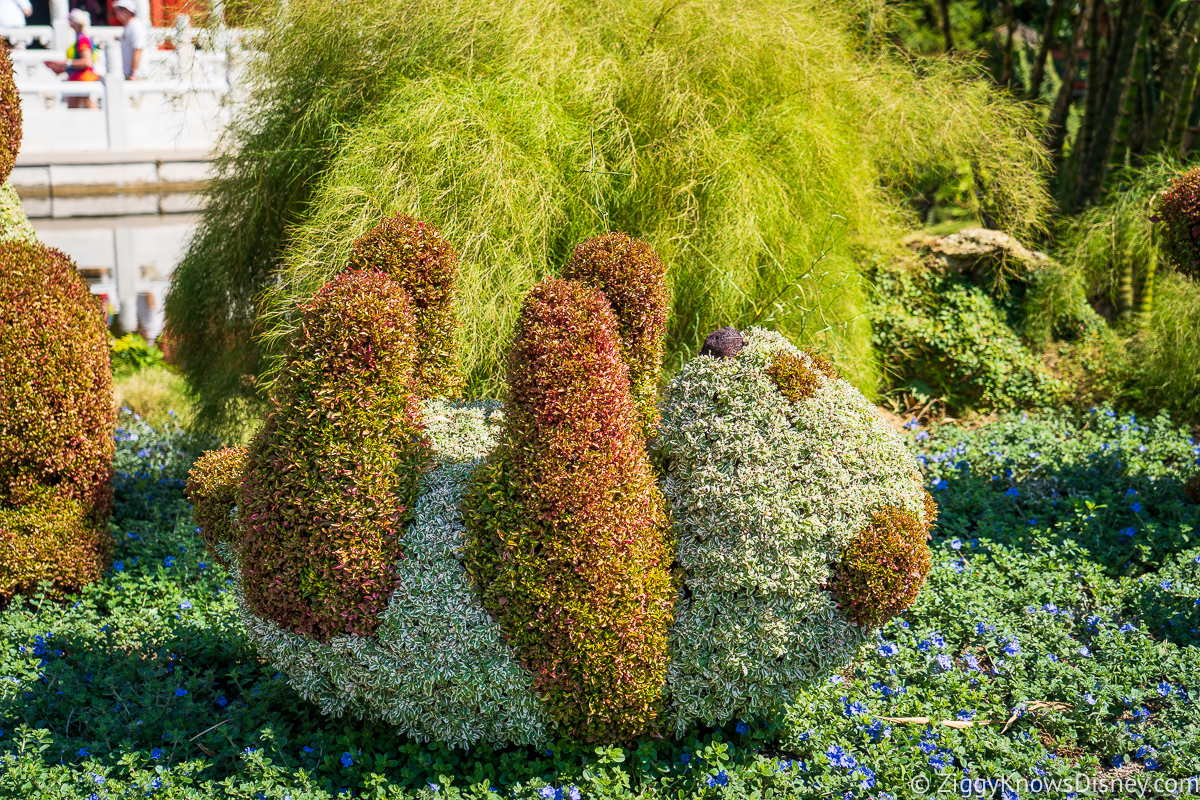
<point>79,65</point>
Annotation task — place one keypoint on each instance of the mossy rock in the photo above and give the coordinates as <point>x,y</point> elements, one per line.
<point>776,473</point>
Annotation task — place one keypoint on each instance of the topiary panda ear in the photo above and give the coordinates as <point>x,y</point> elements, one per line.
<point>426,266</point>
<point>634,280</point>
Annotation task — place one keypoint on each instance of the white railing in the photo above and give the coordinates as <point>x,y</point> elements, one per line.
<point>197,62</point>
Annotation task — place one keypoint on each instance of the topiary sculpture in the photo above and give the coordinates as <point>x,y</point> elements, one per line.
<point>330,479</point>
<point>1178,209</point>
<point>56,422</point>
<point>569,543</point>
<point>426,266</point>
<point>10,115</point>
<point>212,486</point>
<point>540,590</point>
<point>634,279</point>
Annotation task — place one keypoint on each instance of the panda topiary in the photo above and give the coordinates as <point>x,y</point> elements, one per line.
<point>554,573</point>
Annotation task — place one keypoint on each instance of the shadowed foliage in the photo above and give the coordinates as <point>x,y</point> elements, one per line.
<point>427,267</point>
<point>885,567</point>
<point>569,540</point>
<point>212,486</point>
<point>330,479</point>
<point>634,279</point>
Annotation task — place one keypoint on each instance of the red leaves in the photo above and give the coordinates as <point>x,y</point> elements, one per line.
<point>570,543</point>
<point>1178,210</point>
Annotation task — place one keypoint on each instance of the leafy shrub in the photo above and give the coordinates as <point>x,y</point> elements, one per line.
<point>1178,208</point>
<point>885,566</point>
<point>56,419</point>
<point>936,332</point>
<point>10,115</point>
<point>634,279</point>
<point>772,467</point>
<point>427,267</point>
<point>212,487</point>
<point>330,479</point>
<point>14,224</point>
<point>703,148</point>
<point>569,543</point>
<point>53,539</point>
<point>131,354</point>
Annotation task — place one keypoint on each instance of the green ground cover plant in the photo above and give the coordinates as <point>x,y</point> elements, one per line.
<point>753,148</point>
<point>143,684</point>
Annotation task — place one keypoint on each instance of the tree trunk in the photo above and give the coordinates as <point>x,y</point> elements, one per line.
<point>1039,64</point>
<point>1175,79</point>
<point>1125,285</point>
<point>1187,96</point>
<point>1095,164</point>
<point>1146,300</point>
<point>1056,126</point>
<point>944,7</point>
<point>1122,141</point>
<point>1011,24</point>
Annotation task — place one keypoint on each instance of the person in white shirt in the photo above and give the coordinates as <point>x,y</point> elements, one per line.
<point>133,38</point>
<point>14,12</point>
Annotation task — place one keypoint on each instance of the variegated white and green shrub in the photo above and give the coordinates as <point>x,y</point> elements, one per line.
<point>765,492</point>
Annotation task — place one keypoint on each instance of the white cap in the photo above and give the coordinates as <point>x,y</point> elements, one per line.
<point>127,5</point>
<point>80,17</point>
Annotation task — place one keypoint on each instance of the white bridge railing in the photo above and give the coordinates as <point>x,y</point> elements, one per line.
<point>193,80</point>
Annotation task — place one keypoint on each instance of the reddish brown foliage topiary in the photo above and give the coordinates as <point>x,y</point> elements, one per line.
<point>634,279</point>
<point>885,566</point>
<point>795,377</point>
<point>331,477</point>
<point>212,487</point>
<point>1178,209</point>
<point>10,115</point>
<point>56,421</point>
<point>425,264</point>
<point>569,541</point>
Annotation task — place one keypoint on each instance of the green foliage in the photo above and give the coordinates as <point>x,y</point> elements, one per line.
<point>13,222</point>
<point>56,419</point>
<point>1178,209</point>
<point>212,486</point>
<point>10,115</point>
<point>634,280</point>
<point>885,566</point>
<point>124,647</point>
<point>726,136</point>
<point>131,354</point>
<point>1164,353</point>
<point>939,334</point>
<point>427,267</point>
<point>767,487</point>
<point>330,479</point>
<point>569,542</point>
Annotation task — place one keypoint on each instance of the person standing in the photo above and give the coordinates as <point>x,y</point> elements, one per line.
<point>134,37</point>
<point>79,63</point>
<point>14,12</point>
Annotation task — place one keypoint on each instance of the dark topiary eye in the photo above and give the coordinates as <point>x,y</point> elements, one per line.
<point>885,566</point>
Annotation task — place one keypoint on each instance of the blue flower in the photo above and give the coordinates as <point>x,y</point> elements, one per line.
<point>1083,651</point>
<point>156,753</point>
<point>185,605</point>
<point>83,751</point>
<point>938,640</point>
<point>1007,793</point>
<point>1127,627</point>
<point>1091,700</point>
<point>685,758</point>
<point>966,714</point>
<point>1136,508</point>
<point>1129,531</point>
<point>868,777</point>
<point>855,709</point>
<point>972,663</point>
<point>221,701</point>
<point>306,749</point>
<point>922,435</point>
<point>887,650</point>
<point>840,758</point>
<point>904,623</point>
<point>573,793</point>
<point>924,645</point>
<point>945,662</point>
<point>169,561</point>
<point>347,761</point>
<point>1165,585</point>
<point>1164,689</point>
<point>877,730</point>
<point>1118,760</point>
<point>720,779</point>
<point>940,761</point>
<point>1013,492</point>
<point>1050,608</point>
<point>912,423</point>
<point>180,692</point>
<point>956,544</point>
<point>836,679</point>
<point>118,566</point>
<point>203,566</point>
<point>742,728</point>
<point>1150,763</point>
<point>1012,648</point>
<point>959,566</point>
<point>547,792</point>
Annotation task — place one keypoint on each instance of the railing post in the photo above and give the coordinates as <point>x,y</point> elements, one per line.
<point>126,275</point>
<point>63,36</point>
<point>184,48</point>
<point>114,95</point>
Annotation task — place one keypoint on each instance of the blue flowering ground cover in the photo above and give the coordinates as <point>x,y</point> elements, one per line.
<point>1056,644</point>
